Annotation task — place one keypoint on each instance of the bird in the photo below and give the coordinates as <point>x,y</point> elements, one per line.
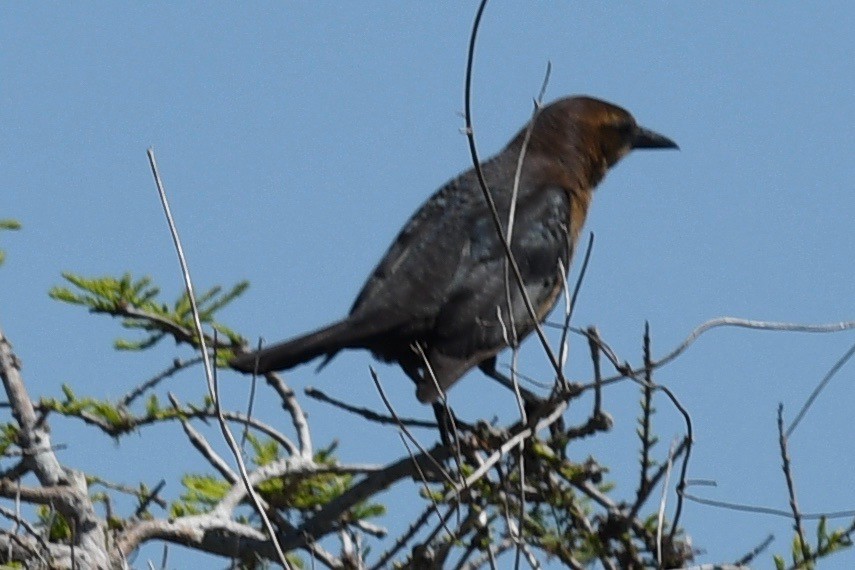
<point>438,303</point>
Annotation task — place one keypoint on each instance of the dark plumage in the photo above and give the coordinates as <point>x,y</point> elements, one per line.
<point>441,285</point>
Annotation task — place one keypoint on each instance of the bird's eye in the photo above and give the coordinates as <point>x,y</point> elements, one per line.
<point>621,131</point>
<point>625,128</point>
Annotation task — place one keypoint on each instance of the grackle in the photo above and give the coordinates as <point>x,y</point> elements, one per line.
<point>438,303</point>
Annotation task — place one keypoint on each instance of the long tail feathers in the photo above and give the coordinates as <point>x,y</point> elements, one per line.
<point>326,341</point>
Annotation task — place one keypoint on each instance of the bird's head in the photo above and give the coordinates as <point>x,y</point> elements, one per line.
<point>595,131</point>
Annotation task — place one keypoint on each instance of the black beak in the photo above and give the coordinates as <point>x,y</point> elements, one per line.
<point>645,138</point>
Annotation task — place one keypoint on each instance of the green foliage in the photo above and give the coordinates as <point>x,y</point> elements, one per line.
<point>152,406</point>
<point>7,225</point>
<point>556,515</point>
<point>805,557</point>
<point>115,418</point>
<point>831,542</point>
<point>266,450</point>
<point>136,302</point>
<point>201,494</point>
<point>8,436</point>
<point>58,529</point>
<point>104,411</point>
<point>302,492</point>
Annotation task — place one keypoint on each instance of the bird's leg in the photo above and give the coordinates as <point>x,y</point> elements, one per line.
<point>532,403</point>
<point>445,421</point>
<point>488,367</point>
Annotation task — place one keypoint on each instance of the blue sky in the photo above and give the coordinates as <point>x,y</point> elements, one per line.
<point>295,140</point>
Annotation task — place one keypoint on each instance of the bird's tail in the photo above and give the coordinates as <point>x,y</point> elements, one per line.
<point>326,341</point>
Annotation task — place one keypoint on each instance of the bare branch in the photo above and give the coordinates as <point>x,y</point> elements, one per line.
<point>202,446</point>
<point>494,213</point>
<point>68,487</point>
<point>816,391</point>
<point>791,486</point>
<point>177,366</point>
<point>209,371</point>
<point>328,516</point>
<point>292,406</point>
<point>369,415</point>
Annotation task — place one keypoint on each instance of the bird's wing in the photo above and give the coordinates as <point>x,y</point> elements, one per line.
<point>410,282</point>
<point>475,319</point>
<point>442,276</point>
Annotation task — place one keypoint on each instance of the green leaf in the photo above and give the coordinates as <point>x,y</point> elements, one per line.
<point>368,510</point>
<point>266,451</point>
<point>135,301</point>
<point>202,493</point>
<point>152,406</point>
<point>56,525</point>
<point>8,436</point>
<point>65,295</point>
<point>69,393</point>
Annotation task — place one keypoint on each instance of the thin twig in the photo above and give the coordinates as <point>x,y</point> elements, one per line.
<point>494,213</point>
<point>816,391</point>
<point>448,415</point>
<point>508,445</point>
<point>745,508</point>
<point>405,431</point>
<point>369,415</point>
<point>250,401</point>
<point>791,486</point>
<point>165,556</point>
<point>202,446</point>
<point>512,340</point>
<point>209,374</point>
<point>298,417</point>
<point>177,365</point>
<point>571,305</point>
<point>756,551</point>
<point>627,372</point>
<point>645,432</point>
<point>660,513</point>
<point>704,327</point>
<point>684,468</point>
<point>594,346</point>
<point>658,475</point>
<point>31,530</point>
<point>402,540</point>
<point>151,497</point>
<point>519,539</point>
<point>443,520</point>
